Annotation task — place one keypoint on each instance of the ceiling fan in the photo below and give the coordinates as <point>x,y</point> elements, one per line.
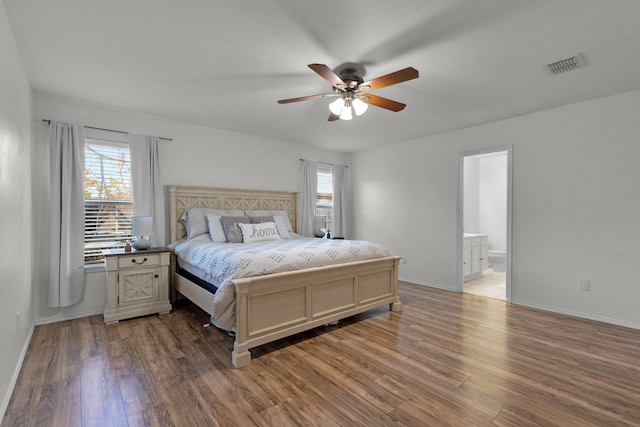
<point>353,92</point>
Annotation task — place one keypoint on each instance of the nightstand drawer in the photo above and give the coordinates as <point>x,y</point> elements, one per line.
<point>148,260</point>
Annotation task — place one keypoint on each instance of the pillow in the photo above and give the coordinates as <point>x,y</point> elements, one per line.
<point>283,224</point>
<point>230,227</point>
<point>215,229</point>
<point>195,221</point>
<point>261,219</point>
<point>259,232</point>
<point>279,221</point>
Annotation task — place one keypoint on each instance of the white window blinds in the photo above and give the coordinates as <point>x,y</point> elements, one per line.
<point>108,197</point>
<point>324,201</point>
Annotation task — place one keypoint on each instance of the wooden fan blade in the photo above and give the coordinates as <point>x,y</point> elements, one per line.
<point>400,76</point>
<point>333,117</point>
<point>305,98</point>
<point>381,102</point>
<point>328,74</point>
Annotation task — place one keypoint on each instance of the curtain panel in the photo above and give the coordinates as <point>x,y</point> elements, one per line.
<point>66,157</point>
<point>146,185</point>
<point>308,195</point>
<point>339,201</point>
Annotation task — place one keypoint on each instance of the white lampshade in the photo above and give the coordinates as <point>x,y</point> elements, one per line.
<point>336,106</point>
<point>319,225</point>
<point>320,222</point>
<point>346,111</point>
<point>359,106</point>
<point>142,226</point>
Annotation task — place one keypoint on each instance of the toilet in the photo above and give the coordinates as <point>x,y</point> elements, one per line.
<point>498,260</point>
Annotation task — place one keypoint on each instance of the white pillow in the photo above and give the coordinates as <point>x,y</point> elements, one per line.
<point>195,221</point>
<point>215,229</point>
<point>284,214</point>
<point>259,232</point>
<point>281,225</point>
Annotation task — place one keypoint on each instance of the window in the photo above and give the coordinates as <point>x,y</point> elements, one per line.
<point>324,200</point>
<point>108,200</point>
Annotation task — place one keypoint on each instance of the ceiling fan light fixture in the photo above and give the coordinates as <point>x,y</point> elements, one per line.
<point>346,111</point>
<point>336,106</point>
<point>348,87</point>
<point>359,107</point>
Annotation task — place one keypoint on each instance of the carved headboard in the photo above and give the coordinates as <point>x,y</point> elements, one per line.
<point>182,198</point>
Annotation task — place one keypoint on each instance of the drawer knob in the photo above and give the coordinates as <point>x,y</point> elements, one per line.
<point>139,263</point>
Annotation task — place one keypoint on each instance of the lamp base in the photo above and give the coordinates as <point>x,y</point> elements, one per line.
<point>141,244</point>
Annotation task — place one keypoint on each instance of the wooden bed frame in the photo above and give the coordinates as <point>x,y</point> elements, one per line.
<point>278,305</point>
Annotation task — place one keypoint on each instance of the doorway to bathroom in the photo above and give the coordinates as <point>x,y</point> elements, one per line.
<point>484,222</point>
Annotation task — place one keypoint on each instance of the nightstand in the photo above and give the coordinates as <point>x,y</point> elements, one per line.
<point>137,283</point>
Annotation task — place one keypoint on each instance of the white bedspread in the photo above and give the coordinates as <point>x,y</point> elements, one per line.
<point>221,263</point>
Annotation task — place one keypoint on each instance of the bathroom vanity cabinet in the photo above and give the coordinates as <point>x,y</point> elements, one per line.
<point>475,255</point>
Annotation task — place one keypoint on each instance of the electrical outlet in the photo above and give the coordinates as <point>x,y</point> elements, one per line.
<point>18,320</point>
<point>585,285</point>
<point>403,260</point>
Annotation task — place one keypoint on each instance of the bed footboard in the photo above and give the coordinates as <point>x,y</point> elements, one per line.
<point>279,305</point>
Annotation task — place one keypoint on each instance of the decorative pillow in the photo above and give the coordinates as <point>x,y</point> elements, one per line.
<point>278,220</point>
<point>260,219</point>
<point>259,232</point>
<point>230,227</point>
<point>195,221</point>
<point>215,229</point>
<point>283,223</point>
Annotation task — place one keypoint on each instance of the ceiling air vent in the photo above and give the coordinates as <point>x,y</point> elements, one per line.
<point>563,65</point>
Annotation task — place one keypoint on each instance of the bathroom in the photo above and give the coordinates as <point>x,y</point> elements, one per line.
<point>485,189</point>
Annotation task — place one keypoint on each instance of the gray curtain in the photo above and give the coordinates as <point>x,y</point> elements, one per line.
<point>66,156</point>
<point>339,201</point>
<point>308,195</point>
<point>146,185</point>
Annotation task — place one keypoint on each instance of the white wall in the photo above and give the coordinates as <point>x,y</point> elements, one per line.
<point>575,205</point>
<point>16,290</point>
<point>492,199</point>
<point>471,193</point>
<point>197,156</point>
<point>485,197</point>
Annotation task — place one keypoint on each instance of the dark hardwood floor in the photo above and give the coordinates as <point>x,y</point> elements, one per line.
<point>446,359</point>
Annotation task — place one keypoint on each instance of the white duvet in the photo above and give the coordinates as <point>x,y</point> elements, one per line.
<point>221,263</point>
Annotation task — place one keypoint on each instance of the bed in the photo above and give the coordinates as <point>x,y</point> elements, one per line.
<point>269,307</point>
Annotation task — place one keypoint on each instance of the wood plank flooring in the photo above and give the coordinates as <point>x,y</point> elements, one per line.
<point>446,359</point>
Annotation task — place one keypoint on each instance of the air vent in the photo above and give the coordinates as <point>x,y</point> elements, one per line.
<point>568,64</point>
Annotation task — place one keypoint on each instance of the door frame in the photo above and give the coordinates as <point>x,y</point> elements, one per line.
<point>460,211</point>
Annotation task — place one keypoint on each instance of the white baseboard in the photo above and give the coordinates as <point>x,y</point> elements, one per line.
<point>428,284</point>
<point>16,373</point>
<point>578,314</point>
<point>69,317</point>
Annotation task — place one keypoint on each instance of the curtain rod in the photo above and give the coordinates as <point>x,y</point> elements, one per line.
<point>325,163</point>
<point>110,130</point>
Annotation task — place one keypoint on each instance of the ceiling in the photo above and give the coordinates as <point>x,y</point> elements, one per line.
<point>224,64</point>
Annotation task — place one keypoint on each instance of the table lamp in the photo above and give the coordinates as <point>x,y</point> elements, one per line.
<point>141,227</point>
<point>319,225</point>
